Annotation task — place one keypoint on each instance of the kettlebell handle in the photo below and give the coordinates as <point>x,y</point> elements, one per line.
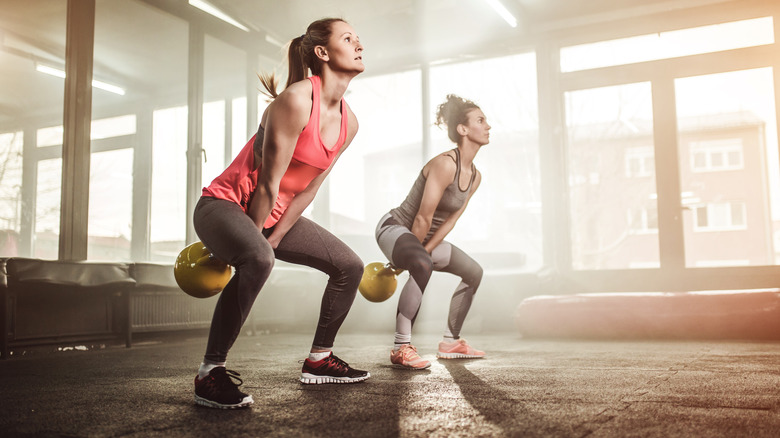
<point>389,269</point>
<point>206,260</point>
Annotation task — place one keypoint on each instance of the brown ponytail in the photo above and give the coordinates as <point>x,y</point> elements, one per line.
<point>301,57</point>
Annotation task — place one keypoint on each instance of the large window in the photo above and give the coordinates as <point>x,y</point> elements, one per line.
<point>728,167</point>
<point>695,139</point>
<point>32,60</point>
<point>611,172</point>
<point>124,173</point>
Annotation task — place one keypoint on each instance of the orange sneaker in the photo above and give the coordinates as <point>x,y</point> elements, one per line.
<point>460,349</point>
<point>407,357</point>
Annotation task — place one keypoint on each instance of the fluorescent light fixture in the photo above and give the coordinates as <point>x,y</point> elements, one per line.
<point>503,12</point>
<point>50,70</point>
<point>108,87</point>
<point>212,10</point>
<point>95,83</point>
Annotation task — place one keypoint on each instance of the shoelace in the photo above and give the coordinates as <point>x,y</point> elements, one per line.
<point>410,352</point>
<point>337,363</point>
<point>227,377</point>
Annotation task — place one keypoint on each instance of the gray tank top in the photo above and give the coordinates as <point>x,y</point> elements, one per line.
<point>451,201</point>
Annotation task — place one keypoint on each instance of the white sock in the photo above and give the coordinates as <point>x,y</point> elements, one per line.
<point>397,347</point>
<point>316,357</point>
<point>401,338</point>
<point>206,366</point>
<point>449,339</point>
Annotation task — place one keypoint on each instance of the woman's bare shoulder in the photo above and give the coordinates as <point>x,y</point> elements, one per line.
<point>442,166</point>
<point>294,101</point>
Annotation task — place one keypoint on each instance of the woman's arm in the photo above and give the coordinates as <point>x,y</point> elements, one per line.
<point>449,224</point>
<point>296,208</point>
<point>284,120</point>
<point>441,172</point>
<point>304,198</point>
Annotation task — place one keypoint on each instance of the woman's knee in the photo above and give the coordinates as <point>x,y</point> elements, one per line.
<point>352,268</point>
<point>465,267</point>
<point>474,276</point>
<point>421,268</point>
<point>256,262</point>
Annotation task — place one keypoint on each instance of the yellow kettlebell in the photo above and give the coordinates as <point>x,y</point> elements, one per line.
<point>198,273</point>
<point>379,281</point>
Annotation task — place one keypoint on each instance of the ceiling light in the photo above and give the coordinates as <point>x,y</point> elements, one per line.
<point>212,10</point>
<point>503,12</point>
<point>95,83</point>
<point>50,70</point>
<point>108,87</point>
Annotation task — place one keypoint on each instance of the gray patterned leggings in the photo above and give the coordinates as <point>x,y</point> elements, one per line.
<point>404,251</point>
<point>231,235</point>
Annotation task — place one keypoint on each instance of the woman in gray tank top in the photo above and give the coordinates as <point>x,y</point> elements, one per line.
<point>412,235</point>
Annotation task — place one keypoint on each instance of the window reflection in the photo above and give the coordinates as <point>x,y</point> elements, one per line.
<point>729,167</point>
<point>612,174</point>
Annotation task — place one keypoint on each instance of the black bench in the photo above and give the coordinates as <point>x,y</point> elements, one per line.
<point>47,301</point>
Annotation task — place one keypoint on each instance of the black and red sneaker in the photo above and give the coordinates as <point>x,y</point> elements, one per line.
<point>218,390</point>
<point>330,370</point>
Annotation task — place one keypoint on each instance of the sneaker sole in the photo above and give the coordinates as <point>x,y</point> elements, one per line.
<point>245,403</point>
<point>458,356</point>
<point>311,379</point>
<point>401,366</point>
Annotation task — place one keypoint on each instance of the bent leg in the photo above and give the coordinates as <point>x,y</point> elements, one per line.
<point>307,243</point>
<point>234,238</point>
<point>449,258</point>
<point>405,251</point>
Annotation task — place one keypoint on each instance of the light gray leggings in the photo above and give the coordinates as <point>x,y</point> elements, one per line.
<point>232,236</point>
<point>404,251</point>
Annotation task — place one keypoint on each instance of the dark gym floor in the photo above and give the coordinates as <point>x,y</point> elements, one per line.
<point>523,388</point>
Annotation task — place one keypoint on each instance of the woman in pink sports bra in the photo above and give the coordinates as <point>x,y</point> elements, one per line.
<point>250,215</point>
